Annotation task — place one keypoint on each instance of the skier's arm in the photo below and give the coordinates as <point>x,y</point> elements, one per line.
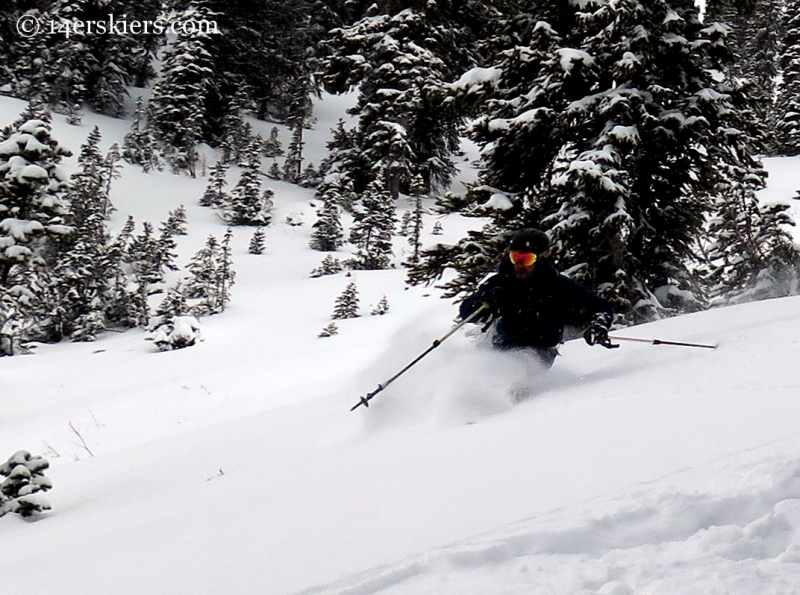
<point>592,312</point>
<point>586,305</point>
<point>476,300</point>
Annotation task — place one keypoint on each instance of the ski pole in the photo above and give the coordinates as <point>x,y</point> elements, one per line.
<point>661,342</point>
<point>366,398</point>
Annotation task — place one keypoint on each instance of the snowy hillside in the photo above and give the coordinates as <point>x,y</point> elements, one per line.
<point>236,467</point>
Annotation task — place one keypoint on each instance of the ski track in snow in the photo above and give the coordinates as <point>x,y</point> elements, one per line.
<point>751,543</point>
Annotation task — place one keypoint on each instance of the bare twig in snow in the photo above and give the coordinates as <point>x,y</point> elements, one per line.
<point>51,451</point>
<point>96,423</point>
<point>83,442</point>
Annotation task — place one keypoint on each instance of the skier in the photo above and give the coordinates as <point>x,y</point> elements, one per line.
<point>532,302</point>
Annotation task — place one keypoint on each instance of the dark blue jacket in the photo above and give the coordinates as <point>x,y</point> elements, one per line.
<point>533,312</point>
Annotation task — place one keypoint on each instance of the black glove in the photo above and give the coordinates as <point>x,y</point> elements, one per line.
<point>597,332</point>
<point>494,297</point>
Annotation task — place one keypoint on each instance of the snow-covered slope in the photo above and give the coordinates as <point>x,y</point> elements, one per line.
<point>235,466</point>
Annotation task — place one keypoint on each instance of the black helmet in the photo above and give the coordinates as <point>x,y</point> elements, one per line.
<point>530,240</point>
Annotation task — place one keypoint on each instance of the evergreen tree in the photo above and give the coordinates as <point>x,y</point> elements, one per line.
<point>237,135</point>
<point>405,127</point>
<point>330,265</point>
<point>111,169</point>
<point>329,331</point>
<point>292,165</point>
<point>83,65</point>
<point>373,229</point>
<point>23,309</point>
<point>125,306</point>
<point>80,288</point>
<point>246,204</point>
<point>225,274</point>
<point>108,84</point>
<point>32,206</point>
<point>166,245</point>
<point>300,107</point>
<point>148,42</point>
<point>738,6</point>
<point>25,480</point>
<point>211,276</point>
<point>382,307</point>
<point>310,178</point>
<point>257,241</point>
<point>266,45</point>
<point>346,196</point>
<point>176,223</point>
<point>172,306</point>
<point>267,204</point>
<point>272,146</point>
<point>251,153</point>
<point>598,128</point>
<point>275,172</point>
<point>751,254</point>
<point>73,113</point>
<point>327,234</point>
<point>788,109</point>
<point>415,219</point>
<point>139,146</point>
<point>176,328</point>
<point>144,258</point>
<point>150,256</point>
<point>269,48</point>
<point>77,291</point>
<point>89,189</point>
<point>178,111</point>
<point>180,332</point>
<point>346,305</point>
<point>405,221</point>
<point>12,320</point>
<point>346,161</point>
<point>214,194</point>
<point>389,141</point>
<point>202,282</point>
<point>754,39</point>
<point>7,14</point>
<point>21,73</point>
<point>69,59</point>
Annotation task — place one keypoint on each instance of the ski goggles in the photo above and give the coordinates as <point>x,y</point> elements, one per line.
<point>523,258</point>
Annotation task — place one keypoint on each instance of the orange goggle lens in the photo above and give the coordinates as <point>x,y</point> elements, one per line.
<point>523,258</point>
